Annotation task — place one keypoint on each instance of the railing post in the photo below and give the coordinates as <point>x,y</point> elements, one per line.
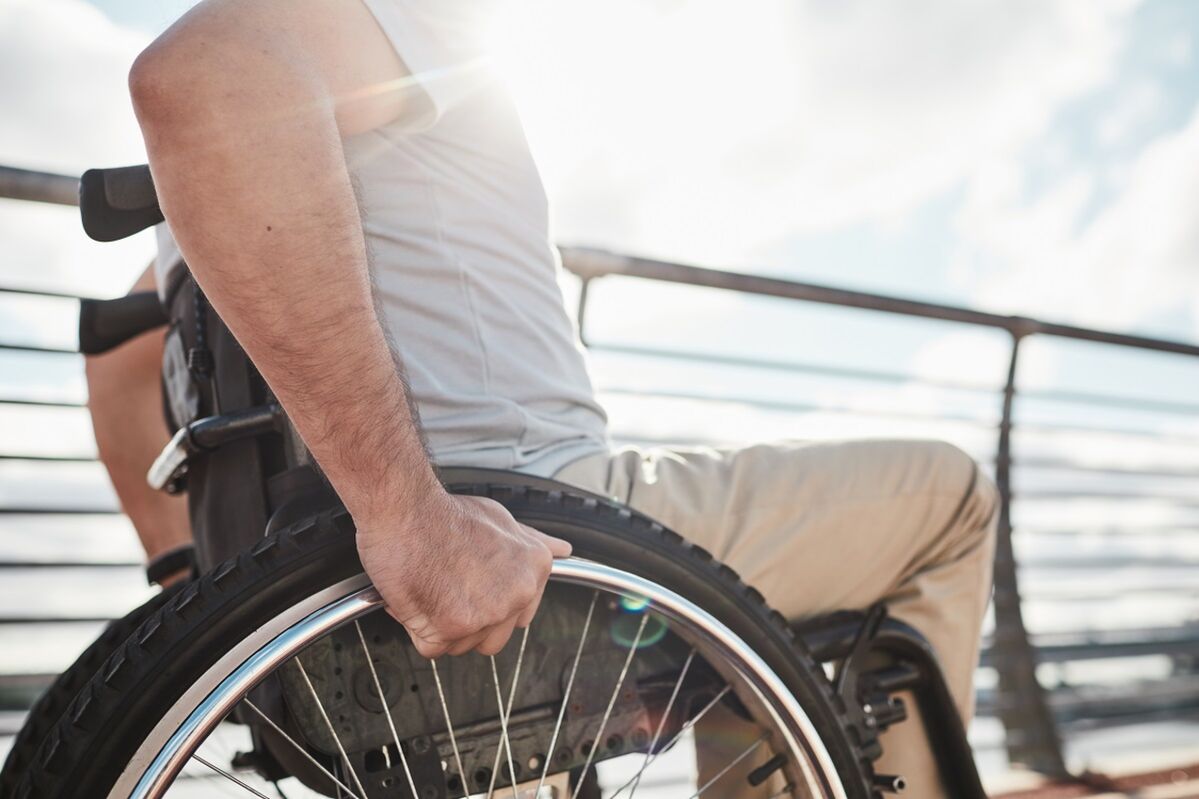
<point>1031,732</point>
<point>581,316</point>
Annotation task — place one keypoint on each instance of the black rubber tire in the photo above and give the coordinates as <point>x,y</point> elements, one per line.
<point>90,745</point>
<point>51,704</point>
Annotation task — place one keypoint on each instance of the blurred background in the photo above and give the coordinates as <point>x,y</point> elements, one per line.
<point>1032,159</point>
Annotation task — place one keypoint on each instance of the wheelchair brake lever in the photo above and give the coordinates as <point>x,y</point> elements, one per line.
<point>202,435</point>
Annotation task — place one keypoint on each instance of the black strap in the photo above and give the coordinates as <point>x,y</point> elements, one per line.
<point>171,562</point>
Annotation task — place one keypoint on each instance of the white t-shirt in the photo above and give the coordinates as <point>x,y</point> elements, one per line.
<point>457,226</point>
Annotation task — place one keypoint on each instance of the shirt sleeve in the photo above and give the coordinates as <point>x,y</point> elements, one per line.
<point>442,44</point>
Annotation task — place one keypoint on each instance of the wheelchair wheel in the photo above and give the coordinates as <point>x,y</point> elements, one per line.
<point>50,705</point>
<point>639,637</point>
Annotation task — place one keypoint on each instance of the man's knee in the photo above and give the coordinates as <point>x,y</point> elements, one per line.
<point>973,520</point>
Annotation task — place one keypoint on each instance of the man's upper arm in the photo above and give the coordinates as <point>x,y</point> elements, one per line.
<point>335,45</point>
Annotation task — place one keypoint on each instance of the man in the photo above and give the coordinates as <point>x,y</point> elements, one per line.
<point>261,119</point>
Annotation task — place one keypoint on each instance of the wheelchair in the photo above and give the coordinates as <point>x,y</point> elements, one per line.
<point>640,641</point>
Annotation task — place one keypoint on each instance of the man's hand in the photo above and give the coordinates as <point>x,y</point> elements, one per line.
<point>458,572</point>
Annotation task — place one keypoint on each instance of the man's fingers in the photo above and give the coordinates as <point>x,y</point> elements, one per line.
<point>557,547</point>
<point>428,649</point>
<point>525,617</point>
<point>468,644</point>
<point>497,637</point>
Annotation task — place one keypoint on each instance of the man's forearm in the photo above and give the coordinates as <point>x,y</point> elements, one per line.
<point>238,104</point>
<point>254,183</point>
<point>125,401</point>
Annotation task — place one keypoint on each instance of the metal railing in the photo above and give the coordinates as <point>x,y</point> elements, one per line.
<point>1021,702</point>
<point>72,511</point>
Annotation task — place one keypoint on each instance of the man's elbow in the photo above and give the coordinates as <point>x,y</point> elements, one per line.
<point>222,69</point>
<point>158,81</point>
<point>193,71</point>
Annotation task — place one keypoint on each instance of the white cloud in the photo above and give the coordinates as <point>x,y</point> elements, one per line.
<point>700,131</point>
<point>63,88</point>
<point>1139,105</point>
<point>1126,265</point>
<point>1178,49</point>
<point>65,108</point>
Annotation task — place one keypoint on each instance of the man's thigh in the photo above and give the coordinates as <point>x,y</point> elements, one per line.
<point>815,527</point>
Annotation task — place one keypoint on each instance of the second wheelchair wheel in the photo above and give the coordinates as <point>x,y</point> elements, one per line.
<point>50,705</point>
<point>645,652</point>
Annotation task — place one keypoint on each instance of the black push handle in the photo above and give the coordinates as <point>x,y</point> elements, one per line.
<point>106,324</point>
<point>116,203</point>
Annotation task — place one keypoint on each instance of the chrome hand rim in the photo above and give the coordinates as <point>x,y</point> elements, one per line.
<point>196,714</point>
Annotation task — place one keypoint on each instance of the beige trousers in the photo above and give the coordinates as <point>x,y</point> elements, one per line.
<point>831,526</point>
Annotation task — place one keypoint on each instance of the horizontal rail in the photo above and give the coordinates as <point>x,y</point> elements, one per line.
<point>768,364</point>
<point>17,510</point>
<point>67,564</point>
<point>1106,644</point>
<point>1152,405</point>
<point>32,292</point>
<point>1046,428</point>
<point>1038,495</point>
<point>43,403</point>
<point>50,459</point>
<point>39,348</point>
<point>1059,464</point>
<point>43,187</point>
<point>1110,530</point>
<point>796,407</point>
<point>589,263</point>
<point>55,619</point>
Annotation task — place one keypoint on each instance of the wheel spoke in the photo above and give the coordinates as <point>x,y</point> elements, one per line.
<point>329,724</point>
<point>574,668</point>
<point>749,750</point>
<point>505,742</point>
<point>229,776</point>
<point>682,730</point>
<point>395,736</point>
<point>678,684</point>
<point>611,703</point>
<point>300,749</point>
<point>445,711</point>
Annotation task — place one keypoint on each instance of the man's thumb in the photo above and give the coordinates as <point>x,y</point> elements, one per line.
<point>557,547</point>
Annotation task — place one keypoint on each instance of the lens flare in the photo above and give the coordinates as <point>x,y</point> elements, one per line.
<point>633,604</point>
<point>624,630</point>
